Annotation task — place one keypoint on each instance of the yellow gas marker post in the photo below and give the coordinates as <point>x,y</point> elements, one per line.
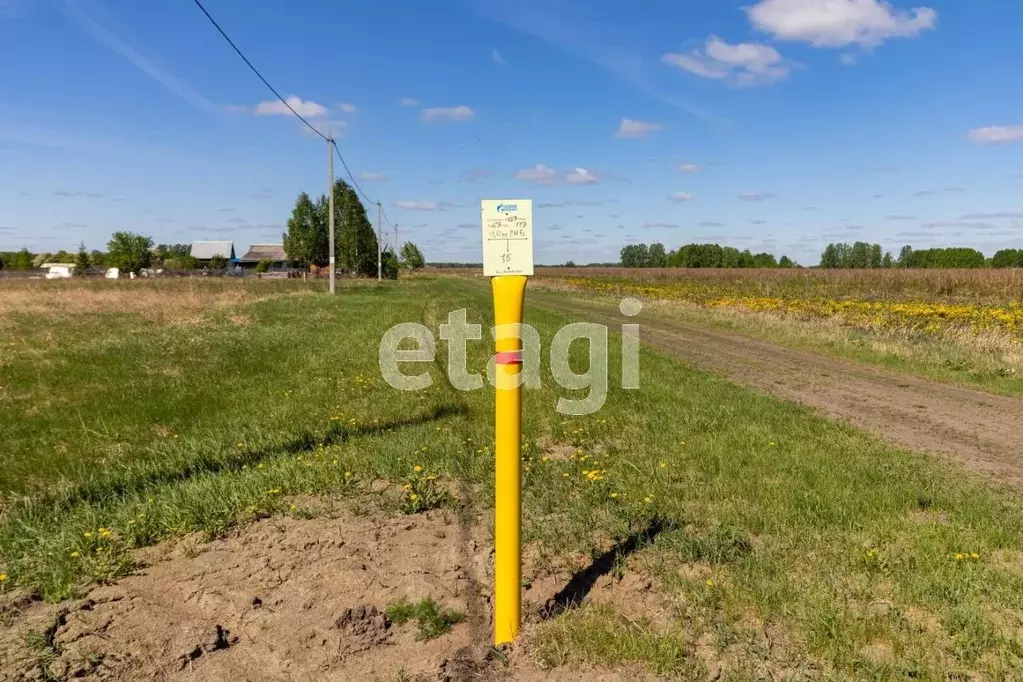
<point>508,258</point>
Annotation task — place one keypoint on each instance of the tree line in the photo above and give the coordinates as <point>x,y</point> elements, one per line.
<point>860,255</point>
<point>864,255</point>
<point>127,251</point>
<point>698,256</point>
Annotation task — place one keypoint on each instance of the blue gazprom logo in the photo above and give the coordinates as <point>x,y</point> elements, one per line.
<point>507,208</point>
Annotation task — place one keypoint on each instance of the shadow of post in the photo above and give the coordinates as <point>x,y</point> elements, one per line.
<point>580,584</point>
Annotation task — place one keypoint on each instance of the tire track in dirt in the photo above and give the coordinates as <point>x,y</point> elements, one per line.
<point>979,430</point>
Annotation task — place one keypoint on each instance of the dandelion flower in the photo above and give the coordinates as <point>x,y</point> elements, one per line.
<point>413,497</point>
<point>710,583</point>
<point>417,468</point>
<point>3,577</point>
<point>662,465</point>
<point>974,555</point>
<point>75,555</point>
<point>87,534</point>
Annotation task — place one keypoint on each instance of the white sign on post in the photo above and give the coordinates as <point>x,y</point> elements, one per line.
<point>507,237</point>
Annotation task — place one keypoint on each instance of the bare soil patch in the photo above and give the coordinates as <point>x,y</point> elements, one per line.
<point>975,429</point>
<point>293,599</point>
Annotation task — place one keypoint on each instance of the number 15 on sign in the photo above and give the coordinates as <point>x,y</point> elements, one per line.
<point>507,237</point>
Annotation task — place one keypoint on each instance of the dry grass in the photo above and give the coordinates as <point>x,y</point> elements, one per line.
<point>170,301</point>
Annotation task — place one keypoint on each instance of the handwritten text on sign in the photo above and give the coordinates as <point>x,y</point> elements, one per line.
<point>507,237</point>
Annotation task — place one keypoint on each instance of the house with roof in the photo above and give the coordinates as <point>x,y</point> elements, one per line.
<point>204,252</point>
<point>258,253</point>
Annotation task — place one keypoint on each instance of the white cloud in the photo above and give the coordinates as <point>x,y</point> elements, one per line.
<point>742,64</point>
<point>275,107</point>
<point>582,176</point>
<point>848,59</point>
<point>408,102</point>
<point>496,56</point>
<point>690,168</point>
<point>654,223</point>
<point>347,108</point>
<point>837,23</point>
<point>631,128</point>
<point>459,113</point>
<point>236,109</point>
<point>539,174</point>
<point>997,134</point>
<point>681,196</point>
<point>372,176</point>
<point>417,205</point>
<point>757,196</point>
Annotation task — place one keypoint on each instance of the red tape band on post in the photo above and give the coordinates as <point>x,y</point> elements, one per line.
<point>508,357</point>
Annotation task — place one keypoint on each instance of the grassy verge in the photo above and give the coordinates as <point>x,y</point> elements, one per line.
<point>788,543</point>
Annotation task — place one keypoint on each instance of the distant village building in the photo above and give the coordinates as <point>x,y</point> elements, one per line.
<point>204,252</point>
<point>58,270</point>
<point>257,253</point>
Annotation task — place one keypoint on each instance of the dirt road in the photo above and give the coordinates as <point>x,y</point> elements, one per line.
<point>983,432</point>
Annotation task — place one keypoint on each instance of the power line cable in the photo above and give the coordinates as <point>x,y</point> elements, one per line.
<point>256,71</point>
<point>285,102</point>
<point>351,177</point>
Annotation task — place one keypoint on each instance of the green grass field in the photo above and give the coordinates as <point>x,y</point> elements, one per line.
<point>789,545</point>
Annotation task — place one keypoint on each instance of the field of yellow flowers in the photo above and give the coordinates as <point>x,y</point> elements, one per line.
<point>809,298</point>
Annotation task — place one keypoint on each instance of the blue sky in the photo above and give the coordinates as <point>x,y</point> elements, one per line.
<point>775,125</point>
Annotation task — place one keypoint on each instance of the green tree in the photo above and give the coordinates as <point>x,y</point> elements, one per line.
<point>953,257</point>
<point>656,257</point>
<point>129,251</point>
<point>785,262</point>
<point>264,266</point>
<point>305,242</point>
<point>97,258</point>
<point>24,260</point>
<point>356,242</point>
<point>905,259</point>
<point>887,261</point>
<point>764,260</point>
<point>1007,258</point>
<point>82,261</point>
<point>389,263</point>
<point>411,256</point>
<point>729,257</point>
<point>218,262</point>
<point>634,256</point>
